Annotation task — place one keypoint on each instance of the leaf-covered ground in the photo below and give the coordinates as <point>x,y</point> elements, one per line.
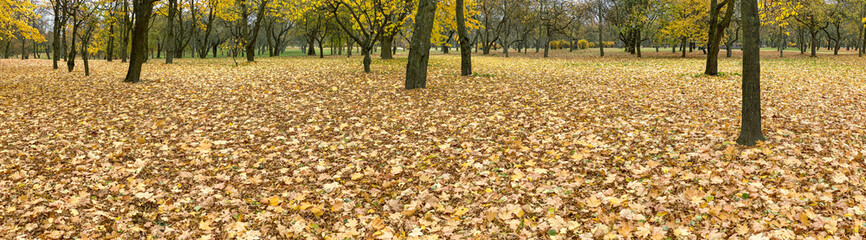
<point>307,148</point>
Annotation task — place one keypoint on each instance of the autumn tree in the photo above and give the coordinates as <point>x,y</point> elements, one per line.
<point>750,129</point>
<point>463,39</point>
<point>419,51</point>
<point>169,48</point>
<point>362,21</point>
<point>60,18</point>
<point>778,13</point>
<point>393,14</point>
<point>684,21</point>
<point>814,18</point>
<point>143,10</point>
<point>493,17</point>
<point>16,21</point>
<point>555,16</point>
<point>718,24</point>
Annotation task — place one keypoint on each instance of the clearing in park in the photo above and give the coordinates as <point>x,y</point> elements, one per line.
<point>528,147</point>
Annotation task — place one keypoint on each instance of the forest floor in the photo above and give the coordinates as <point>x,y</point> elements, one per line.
<point>307,148</point>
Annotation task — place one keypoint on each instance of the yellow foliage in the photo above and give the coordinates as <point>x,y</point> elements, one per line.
<point>583,44</point>
<point>15,19</point>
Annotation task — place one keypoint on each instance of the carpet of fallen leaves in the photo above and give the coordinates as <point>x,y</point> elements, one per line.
<point>308,148</point>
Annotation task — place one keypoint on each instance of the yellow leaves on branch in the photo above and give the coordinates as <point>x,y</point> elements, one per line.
<point>16,17</point>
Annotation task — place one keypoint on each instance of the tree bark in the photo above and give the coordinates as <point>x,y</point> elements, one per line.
<point>750,131</point>
<point>143,10</point>
<point>251,41</point>
<point>386,42</point>
<point>814,43</point>
<point>125,31</point>
<point>463,39</point>
<point>600,30</point>
<point>59,21</point>
<point>170,44</point>
<point>419,52</point>
<point>70,63</point>
<point>717,30</point>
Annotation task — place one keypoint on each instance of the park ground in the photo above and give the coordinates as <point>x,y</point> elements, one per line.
<point>572,146</point>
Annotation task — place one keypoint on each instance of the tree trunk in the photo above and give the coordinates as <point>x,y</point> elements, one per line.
<point>84,56</point>
<point>6,49</point>
<point>143,9</point>
<point>56,44</point>
<point>321,48</point>
<point>109,53</point>
<point>419,52</point>
<point>637,44</point>
<point>683,48</point>
<point>463,39</point>
<point>70,64</point>
<point>251,41</point>
<point>814,43</point>
<point>311,49</point>
<point>349,48</point>
<point>781,43</point>
<point>547,41</point>
<point>170,47</point>
<point>367,60</point>
<point>717,30</point>
<point>750,131</point>
<point>23,48</point>
<point>387,41</point>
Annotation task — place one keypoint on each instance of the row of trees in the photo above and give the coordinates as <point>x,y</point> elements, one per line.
<point>250,28</point>
<point>110,28</point>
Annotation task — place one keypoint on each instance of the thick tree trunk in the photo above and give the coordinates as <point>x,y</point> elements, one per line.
<point>321,48</point>
<point>683,48</point>
<point>387,41</point>
<point>56,44</point>
<point>781,43</point>
<point>367,60</point>
<point>463,39</point>
<point>143,9</point>
<point>419,52</point>
<point>717,30</point>
<point>70,64</point>
<point>349,48</point>
<point>170,48</point>
<point>311,49</point>
<point>750,131</point>
<point>6,49</point>
<point>251,41</point>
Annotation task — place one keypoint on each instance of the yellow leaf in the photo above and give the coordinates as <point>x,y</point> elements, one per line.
<point>317,211</point>
<point>460,211</point>
<point>275,200</point>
